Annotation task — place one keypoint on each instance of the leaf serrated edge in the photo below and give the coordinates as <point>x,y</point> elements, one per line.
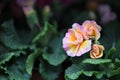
<point>92,61</point>
<point>8,58</point>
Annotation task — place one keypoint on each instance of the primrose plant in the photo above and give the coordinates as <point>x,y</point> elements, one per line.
<point>80,39</point>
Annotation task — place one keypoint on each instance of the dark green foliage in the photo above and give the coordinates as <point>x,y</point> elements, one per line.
<point>36,44</point>
<point>49,72</point>
<point>55,55</point>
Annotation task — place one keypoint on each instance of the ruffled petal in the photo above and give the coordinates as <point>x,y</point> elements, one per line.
<point>71,51</point>
<point>84,47</point>
<point>97,51</point>
<point>79,29</point>
<point>92,29</point>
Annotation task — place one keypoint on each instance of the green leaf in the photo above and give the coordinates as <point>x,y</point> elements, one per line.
<point>5,57</point>
<point>16,70</point>
<point>9,37</point>
<point>117,60</point>
<point>113,72</point>
<point>30,60</point>
<point>100,74</point>
<point>32,19</point>
<point>3,77</point>
<point>3,49</point>
<point>96,61</point>
<point>18,53</point>
<point>26,36</point>
<point>45,35</point>
<point>114,52</point>
<point>55,54</point>
<point>89,73</point>
<point>49,72</point>
<point>110,52</point>
<point>75,70</point>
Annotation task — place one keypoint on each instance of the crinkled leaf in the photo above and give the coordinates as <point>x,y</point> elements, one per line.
<point>100,74</point>
<point>89,73</point>
<point>113,72</point>
<point>75,70</point>
<point>9,37</point>
<point>45,36</point>
<point>55,54</point>
<point>49,72</point>
<point>5,57</point>
<point>96,61</point>
<point>26,36</point>
<point>110,52</point>
<point>18,53</point>
<point>30,60</point>
<point>16,71</point>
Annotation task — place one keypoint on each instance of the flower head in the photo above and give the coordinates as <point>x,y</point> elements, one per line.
<point>75,42</point>
<point>92,29</point>
<point>97,51</point>
<point>106,13</point>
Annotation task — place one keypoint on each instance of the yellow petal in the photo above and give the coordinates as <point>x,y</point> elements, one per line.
<point>71,51</point>
<point>84,47</point>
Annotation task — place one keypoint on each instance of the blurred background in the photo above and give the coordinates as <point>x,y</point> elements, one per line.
<point>64,12</point>
<point>29,17</point>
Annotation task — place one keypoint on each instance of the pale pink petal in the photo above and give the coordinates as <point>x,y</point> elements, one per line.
<point>79,38</point>
<point>79,29</point>
<point>69,39</point>
<point>71,51</point>
<point>97,26</point>
<point>92,29</point>
<point>91,23</point>
<point>87,22</point>
<point>70,34</point>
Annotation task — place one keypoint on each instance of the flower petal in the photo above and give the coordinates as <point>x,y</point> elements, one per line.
<point>71,51</point>
<point>97,51</point>
<point>71,35</point>
<point>92,29</point>
<point>84,47</point>
<point>79,29</point>
<point>92,23</point>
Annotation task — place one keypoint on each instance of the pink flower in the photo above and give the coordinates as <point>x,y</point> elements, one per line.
<point>75,42</point>
<point>97,51</point>
<point>92,29</point>
<point>106,14</point>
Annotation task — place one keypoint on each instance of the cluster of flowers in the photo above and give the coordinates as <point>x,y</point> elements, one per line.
<point>80,39</point>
